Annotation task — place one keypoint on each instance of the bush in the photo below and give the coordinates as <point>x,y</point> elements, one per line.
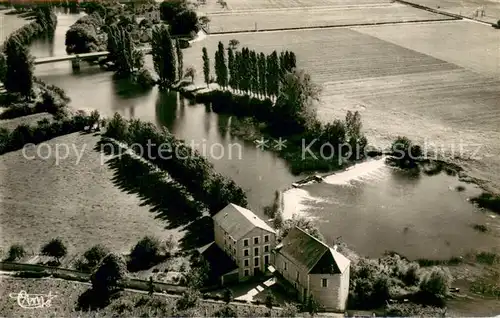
<point>91,258</point>
<point>228,295</point>
<point>110,271</point>
<point>189,299</point>
<point>145,79</point>
<point>145,253</point>
<point>413,310</point>
<point>16,252</point>
<point>487,258</point>
<point>31,274</point>
<point>270,300</point>
<point>436,282</point>
<point>289,310</point>
<point>226,311</point>
<point>55,248</point>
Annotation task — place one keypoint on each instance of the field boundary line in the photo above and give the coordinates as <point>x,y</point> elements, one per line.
<point>335,26</point>
<point>333,7</point>
<point>426,8</point>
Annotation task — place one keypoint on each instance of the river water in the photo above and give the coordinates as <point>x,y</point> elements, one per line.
<point>372,208</point>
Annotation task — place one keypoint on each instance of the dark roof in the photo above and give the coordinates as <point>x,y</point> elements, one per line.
<point>309,252</point>
<point>238,221</point>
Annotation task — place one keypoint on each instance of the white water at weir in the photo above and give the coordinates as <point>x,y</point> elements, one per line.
<point>372,169</point>
<point>296,201</point>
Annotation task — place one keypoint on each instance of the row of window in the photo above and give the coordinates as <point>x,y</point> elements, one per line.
<point>256,261</point>
<point>246,242</point>
<point>246,251</point>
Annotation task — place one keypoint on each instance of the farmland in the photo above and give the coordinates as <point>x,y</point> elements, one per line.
<point>306,18</point>
<point>240,5</point>
<point>77,201</point>
<point>466,8</point>
<point>434,82</point>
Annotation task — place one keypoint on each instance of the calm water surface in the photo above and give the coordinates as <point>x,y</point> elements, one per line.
<point>372,208</point>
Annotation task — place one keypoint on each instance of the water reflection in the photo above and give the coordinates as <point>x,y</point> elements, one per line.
<point>166,109</point>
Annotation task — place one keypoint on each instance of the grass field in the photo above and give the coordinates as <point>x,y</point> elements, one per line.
<point>446,93</point>
<point>78,202</point>
<point>11,124</point>
<point>286,19</point>
<point>465,8</point>
<point>236,5</point>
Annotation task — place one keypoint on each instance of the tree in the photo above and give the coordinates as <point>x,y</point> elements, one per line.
<point>16,251</point>
<point>95,254</point>
<point>436,282</point>
<point>354,136</point>
<point>230,66</point>
<point>191,72</point>
<point>163,55</point>
<point>180,62</point>
<point>233,44</point>
<point>151,286</point>
<point>294,104</point>
<point>169,9</point>
<point>237,70</point>
<point>185,23</point>
<point>220,66</point>
<point>55,248</point>
<point>405,152</point>
<point>127,59</point>
<point>312,306</point>
<point>206,66</point>
<point>254,71</point>
<point>304,224</point>
<point>108,274</point>
<point>198,274</point>
<point>19,73</point>
<point>3,67</point>
<point>204,21</point>
<point>228,295</point>
<point>262,74</point>
<point>145,253</point>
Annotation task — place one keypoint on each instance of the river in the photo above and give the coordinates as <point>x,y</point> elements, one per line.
<point>372,208</point>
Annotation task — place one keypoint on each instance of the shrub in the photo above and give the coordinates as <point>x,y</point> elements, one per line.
<point>55,248</point>
<point>228,295</point>
<point>144,78</point>
<point>226,311</point>
<point>189,299</point>
<point>436,281</point>
<point>145,253</point>
<point>16,252</point>
<point>487,258</point>
<point>270,300</point>
<point>31,274</point>
<point>289,310</point>
<point>413,310</point>
<point>107,275</point>
<point>91,258</point>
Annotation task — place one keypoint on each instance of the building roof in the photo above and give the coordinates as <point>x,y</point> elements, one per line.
<point>312,254</point>
<point>238,221</point>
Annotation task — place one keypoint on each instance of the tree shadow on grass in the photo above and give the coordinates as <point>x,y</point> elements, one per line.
<point>166,198</point>
<point>198,233</point>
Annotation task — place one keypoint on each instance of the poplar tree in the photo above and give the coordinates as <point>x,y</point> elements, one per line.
<point>19,72</point>
<point>230,66</point>
<point>206,66</point>
<point>237,70</point>
<point>254,71</point>
<point>262,74</point>
<point>163,55</point>
<point>292,61</point>
<point>220,66</point>
<point>180,59</point>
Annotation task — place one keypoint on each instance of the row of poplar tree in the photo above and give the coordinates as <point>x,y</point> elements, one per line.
<point>167,56</point>
<point>249,71</point>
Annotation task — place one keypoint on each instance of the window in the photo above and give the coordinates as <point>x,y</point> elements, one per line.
<point>324,282</point>
<point>266,260</point>
<point>256,261</point>
<point>284,265</point>
<point>245,242</point>
<point>266,238</point>
<point>256,240</point>
<point>266,248</point>
<point>247,272</point>
<point>256,251</point>
<point>225,242</point>
<point>246,252</point>
<point>247,262</point>
<point>297,276</point>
